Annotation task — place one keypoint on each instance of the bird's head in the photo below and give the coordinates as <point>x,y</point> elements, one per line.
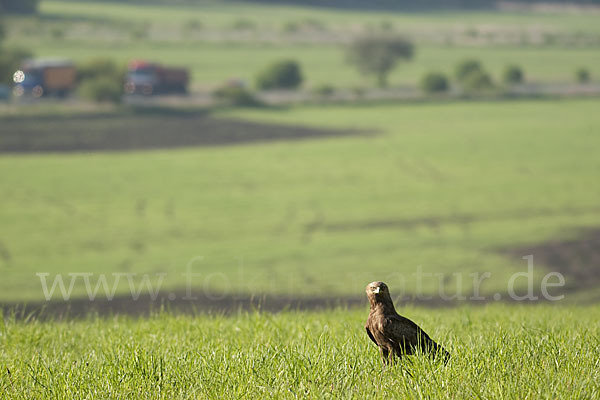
<point>379,295</point>
<point>377,290</point>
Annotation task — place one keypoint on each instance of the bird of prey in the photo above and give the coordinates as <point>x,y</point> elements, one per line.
<point>392,333</point>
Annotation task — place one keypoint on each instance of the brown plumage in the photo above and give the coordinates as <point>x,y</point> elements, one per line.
<point>392,333</point>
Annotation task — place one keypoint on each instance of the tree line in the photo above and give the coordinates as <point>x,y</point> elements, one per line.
<point>31,6</point>
<point>412,4</point>
<point>19,6</point>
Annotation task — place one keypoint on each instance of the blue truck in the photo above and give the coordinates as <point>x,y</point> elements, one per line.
<point>45,77</point>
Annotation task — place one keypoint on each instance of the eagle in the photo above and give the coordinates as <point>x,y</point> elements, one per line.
<point>391,332</point>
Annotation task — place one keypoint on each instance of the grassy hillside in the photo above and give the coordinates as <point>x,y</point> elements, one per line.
<point>448,187</point>
<point>497,352</point>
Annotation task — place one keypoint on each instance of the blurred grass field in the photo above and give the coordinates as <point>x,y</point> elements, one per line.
<point>444,186</point>
<point>497,352</point>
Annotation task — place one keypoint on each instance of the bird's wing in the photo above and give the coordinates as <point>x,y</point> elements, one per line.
<point>403,331</point>
<point>370,334</point>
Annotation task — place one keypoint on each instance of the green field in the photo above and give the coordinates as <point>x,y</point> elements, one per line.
<point>295,209</point>
<point>497,352</point>
<point>447,187</point>
<point>549,46</point>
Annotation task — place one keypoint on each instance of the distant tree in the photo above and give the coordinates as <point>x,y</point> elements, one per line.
<point>434,82</point>
<point>284,74</point>
<point>512,75</point>
<point>477,81</point>
<point>378,54</point>
<point>19,6</point>
<point>472,77</point>
<point>10,61</point>
<point>582,75</point>
<point>465,68</point>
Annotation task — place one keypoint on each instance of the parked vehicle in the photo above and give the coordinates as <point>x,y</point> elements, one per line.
<point>45,77</point>
<point>149,78</point>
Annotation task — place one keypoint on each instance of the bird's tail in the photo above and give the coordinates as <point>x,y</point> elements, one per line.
<point>444,354</point>
<point>435,350</point>
<point>439,351</point>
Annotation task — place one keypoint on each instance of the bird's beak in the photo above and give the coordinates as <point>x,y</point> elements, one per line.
<point>376,290</point>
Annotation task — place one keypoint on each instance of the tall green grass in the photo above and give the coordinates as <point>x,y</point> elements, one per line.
<point>497,352</point>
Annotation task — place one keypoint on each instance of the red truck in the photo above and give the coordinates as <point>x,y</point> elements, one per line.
<point>149,78</point>
<point>45,77</point>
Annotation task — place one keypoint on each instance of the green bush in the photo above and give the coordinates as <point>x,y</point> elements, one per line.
<point>242,24</point>
<point>10,61</point>
<point>582,75</point>
<point>377,54</point>
<point>512,75</point>
<point>472,77</point>
<point>140,31</point>
<point>290,27</point>
<point>434,82</point>
<point>386,26</point>
<point>477,81</point>
<point>19,6</point>
<point>192,25</point>
<point>57,33</point>
<point>101,80</point>
<point>236,96</point>
<point>359,92</point>
<point>102,89</point>
<point>466,68</point>
<point>280,75</point>
<point>314,24</point>
<point>323,90</point>
<point>100,67</point>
